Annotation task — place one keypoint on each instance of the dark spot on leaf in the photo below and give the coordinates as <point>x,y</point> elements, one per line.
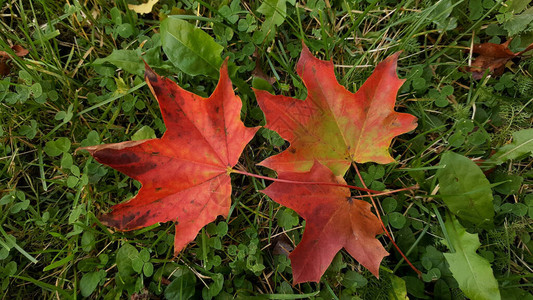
<point>155,153</point>
<point>157,189</point>
<point>128,218</point>
<point>140,221</point>
<point>136,169</point>
<point>217,109</point>
<point>122,223</point>
<point>292,150</point>
<point>157,90</point>
<point>349,200</point>
<point>150,75</point>
<point>141,168</point>
<point>109,156</point>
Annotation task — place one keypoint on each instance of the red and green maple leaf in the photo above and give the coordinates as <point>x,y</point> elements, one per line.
<point>334,221</point>
<point>333,125</point>
<point>328,131</point>
<point>184,174</point>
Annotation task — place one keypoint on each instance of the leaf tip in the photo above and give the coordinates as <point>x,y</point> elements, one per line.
<point>305,56</point>
<point>149,74</point>
<point>89,149</point>
<point>392,60</point>
<point>109,221</point>
<point>223,71</point>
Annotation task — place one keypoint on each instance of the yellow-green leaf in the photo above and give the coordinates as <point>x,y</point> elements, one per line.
<point>472,271</point>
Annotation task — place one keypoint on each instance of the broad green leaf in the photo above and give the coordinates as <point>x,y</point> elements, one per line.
<point>88,283</point>
<point>182,287</point>
<point>465,189</point>
<point>128,60</point>
<point>522,144</point>
<point>472,272</point>
<point>189,48</point>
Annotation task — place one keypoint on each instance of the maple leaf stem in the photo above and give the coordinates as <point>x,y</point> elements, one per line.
<point>414,187</point>
<point>387,233</point>
<point>307,182</point>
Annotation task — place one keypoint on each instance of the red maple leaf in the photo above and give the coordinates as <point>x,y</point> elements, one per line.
<point>185,174</point>
<point>492,57</point>
<point>333,125</point>
<point>334,221</point>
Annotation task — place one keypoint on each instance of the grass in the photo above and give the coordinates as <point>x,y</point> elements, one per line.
<point>74,89</point>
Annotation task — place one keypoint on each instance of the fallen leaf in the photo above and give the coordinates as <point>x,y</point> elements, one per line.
<point>492,57</point>
<point>258,71</point>
<point>334,221</point>
<point>464,189</point>
<point>185,174</point>
<point>282,245</point>
<point>472,271</point>
<point>333,125</point>
<point>144,8</point>
<point>4,69</point>
<point>19,51</point>
<point>5,57</point>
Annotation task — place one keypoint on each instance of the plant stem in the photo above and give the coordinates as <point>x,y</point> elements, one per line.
<point>414,187</point>
<point>309,183</point>
<point>383,225</point>
<point>376,193</point>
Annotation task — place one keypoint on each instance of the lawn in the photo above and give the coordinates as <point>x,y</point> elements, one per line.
<point>460,207</point>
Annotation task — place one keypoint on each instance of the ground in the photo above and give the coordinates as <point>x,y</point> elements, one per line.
<point>81,83</point>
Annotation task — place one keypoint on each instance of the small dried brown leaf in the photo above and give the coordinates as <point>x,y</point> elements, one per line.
<point>493,57</point>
